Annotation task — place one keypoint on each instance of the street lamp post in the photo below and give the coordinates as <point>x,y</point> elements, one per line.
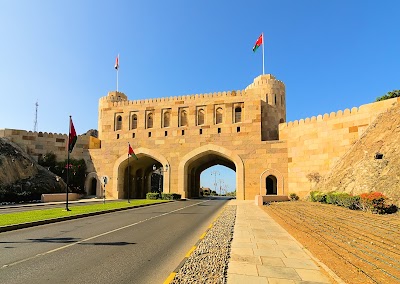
<point>215,179</point>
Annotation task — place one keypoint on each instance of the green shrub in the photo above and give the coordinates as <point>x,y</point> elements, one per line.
<point>317,196</point>
<point>152,195</point>
<point>332,197</point>
<point>170,196</point>
<point>176,196</point>
<point>349,201</point>
<point>293,196</point>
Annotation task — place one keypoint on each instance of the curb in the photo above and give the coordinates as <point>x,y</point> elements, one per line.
<point>66,218</point>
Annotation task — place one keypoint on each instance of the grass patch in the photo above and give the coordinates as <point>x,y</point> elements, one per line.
<point>45,214</point>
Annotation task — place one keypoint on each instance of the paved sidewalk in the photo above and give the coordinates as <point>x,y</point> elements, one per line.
<point>263,252</point>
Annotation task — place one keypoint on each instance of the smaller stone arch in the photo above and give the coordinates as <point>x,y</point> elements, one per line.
<point>92,184</point>
<point>276,180</point>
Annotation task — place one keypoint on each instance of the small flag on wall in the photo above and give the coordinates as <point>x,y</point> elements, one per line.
<point>72,136</point>
<point>259,42</point>
<point>116,66</point>
<point>131,152</point>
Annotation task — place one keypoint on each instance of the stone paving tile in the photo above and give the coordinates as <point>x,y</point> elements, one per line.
<point>242,251</point>
<point>295,254</point>
<point>300,263</point>
<point>243,245</point>
<point>240,279</point>
<point>278,272</point>
<point>263,241</point>
<point>267,246</point>
<point>237,267</point>
<point>280,281</point>
<point>252,259</point>
<point>312,275</point>
<point>272,261</point>
<point>268,252</point>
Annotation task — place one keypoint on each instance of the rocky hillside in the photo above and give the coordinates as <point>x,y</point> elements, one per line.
<point>21,177</point>
<point>359,170</point>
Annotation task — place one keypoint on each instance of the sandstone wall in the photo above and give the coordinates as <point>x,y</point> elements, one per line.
<point>315,144</point>
<point>39,143</point>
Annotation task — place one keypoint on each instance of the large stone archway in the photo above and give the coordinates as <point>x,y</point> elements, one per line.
<point>208,155</point>
<point>146,159</point>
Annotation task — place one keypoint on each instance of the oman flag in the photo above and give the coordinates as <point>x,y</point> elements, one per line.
<point>259,42</point>
<point>72,136</point>
<point>130,152</point>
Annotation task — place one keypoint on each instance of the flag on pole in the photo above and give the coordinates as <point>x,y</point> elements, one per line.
<point>259,42</point>
<point>131,152</point>
<point>72,136</point>
<point>116,66</point>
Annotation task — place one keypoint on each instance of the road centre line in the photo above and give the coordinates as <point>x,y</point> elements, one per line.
<point>100,235</point>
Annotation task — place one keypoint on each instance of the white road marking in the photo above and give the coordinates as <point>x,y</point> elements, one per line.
<point>100,235</point>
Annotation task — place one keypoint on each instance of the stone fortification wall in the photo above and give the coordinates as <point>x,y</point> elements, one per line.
<point>40,143</point>
<point>315,144</point>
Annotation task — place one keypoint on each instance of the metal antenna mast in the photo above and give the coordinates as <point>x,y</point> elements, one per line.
<point>35,124</point>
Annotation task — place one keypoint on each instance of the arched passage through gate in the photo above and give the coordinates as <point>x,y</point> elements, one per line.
<point>200,159</point>
<point>138,177</point>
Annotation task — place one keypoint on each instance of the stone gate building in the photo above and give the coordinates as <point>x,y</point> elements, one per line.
<point>244,130</point>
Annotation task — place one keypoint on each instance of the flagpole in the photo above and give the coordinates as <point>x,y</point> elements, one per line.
<point>117,72</point>
<point>263,50</point>
<point>129,176</point>
<point>69,137</point>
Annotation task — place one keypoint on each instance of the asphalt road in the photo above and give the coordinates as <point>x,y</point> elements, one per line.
<point>142,245</point>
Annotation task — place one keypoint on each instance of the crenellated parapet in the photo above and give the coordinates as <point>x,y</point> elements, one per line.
<point>366,109</point>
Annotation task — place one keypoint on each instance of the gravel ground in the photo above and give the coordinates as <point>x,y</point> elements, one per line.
<point>209,261</point>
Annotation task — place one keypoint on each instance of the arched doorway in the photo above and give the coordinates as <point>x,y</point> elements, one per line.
<point>93,186</point>
<point>271,185</point>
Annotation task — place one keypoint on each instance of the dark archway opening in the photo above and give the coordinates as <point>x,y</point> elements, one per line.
<point>271,185</point>
<point>93,186</point>
<point>197,166</point>
<point>139,177</point>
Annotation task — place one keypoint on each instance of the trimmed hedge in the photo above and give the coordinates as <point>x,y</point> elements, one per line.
<point>164,196</point>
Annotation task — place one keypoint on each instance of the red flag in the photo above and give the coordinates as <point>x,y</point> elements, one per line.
<point>116,66</point>
<point>259,42</point>
<point>131,152</point>
<point>72,136</point>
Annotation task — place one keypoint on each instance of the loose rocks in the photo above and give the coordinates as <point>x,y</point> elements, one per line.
<point>209,261</point>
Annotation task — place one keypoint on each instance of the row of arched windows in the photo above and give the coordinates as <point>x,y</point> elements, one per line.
<point>183,118</point>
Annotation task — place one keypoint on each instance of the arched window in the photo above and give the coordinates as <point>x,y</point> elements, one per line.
<point>134,121</point>
<point>167,116</point>
<point>200,117</point>
<point>150,120</point>
<point>118,123</point>
<point>218,116</point>
<point>183,118</point>
<point>238,114</point>
<point>281,120</point>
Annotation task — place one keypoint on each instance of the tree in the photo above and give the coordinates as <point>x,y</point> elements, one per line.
<point>389,95</point>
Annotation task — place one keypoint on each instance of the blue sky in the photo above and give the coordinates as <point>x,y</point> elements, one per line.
<point>331,55</point>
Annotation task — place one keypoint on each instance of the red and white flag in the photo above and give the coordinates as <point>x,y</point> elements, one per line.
<point>117,63</point>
